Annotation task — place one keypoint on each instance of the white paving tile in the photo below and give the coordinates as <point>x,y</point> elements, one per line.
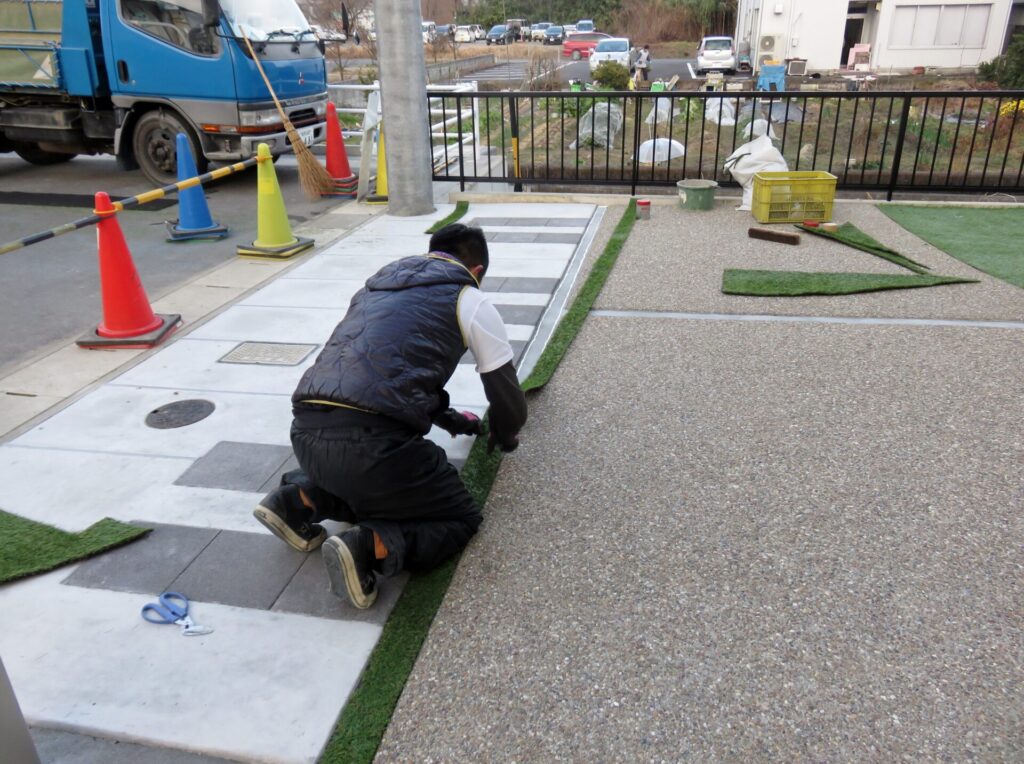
<point>84,659</point>
<point>340,267</point>
<point>362,244</point>
<point>258,324</point>
<point>540,268</point>
<point>530,210</point>
<point>193,365</point>
<point>533,229</point>
<point>112,420</point>
<point>502,250</point>
<point>520,331</point>
<point>465,388</point>
<point>73,489</point>
<point>518,298</point>
<point>306,293</point>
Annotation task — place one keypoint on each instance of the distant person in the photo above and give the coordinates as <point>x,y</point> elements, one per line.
<point>643,62</point>
<point>364,406</point>
<point>355,37</point>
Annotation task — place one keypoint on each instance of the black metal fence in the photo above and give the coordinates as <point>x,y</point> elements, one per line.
<point>889,141</point>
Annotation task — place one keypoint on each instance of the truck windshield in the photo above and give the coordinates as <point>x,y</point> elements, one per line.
<point>265,19</point>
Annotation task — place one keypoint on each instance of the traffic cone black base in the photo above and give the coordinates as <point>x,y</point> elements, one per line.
<point>169,322</point>
<point>301,244</point>
<point>175,233</point>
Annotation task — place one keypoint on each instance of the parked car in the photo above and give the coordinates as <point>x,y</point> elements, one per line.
<point>537,31</point>
<point>554,36</point>
<point>464,34</point>
<point>429,31</point>
<point>478,31</point>
<point>500,35</point>
<point>716,53</point>
<point>585,25</point>
<point>581,44</point>
<point>445,30</point>
<point>615,49</point>
<point>568,29</point>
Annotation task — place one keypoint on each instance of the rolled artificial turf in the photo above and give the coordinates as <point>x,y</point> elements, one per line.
<point>986,239</point>
<point>365,717</point>
<point>460,209</point>
<point>755,283</point>
<point>28,547</point>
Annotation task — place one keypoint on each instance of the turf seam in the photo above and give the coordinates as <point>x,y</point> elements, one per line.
<point>364,719</point>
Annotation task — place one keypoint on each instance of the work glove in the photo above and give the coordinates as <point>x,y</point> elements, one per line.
<point>459,422</point>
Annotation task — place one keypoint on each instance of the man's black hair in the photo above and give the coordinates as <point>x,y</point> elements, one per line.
<point>464,242</point>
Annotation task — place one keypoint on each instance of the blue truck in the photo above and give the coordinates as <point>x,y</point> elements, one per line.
<point>124,77</point>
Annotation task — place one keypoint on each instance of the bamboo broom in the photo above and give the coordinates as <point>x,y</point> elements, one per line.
<point>314,178</point>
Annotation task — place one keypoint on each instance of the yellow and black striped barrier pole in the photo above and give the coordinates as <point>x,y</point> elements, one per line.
<point>132,201</point>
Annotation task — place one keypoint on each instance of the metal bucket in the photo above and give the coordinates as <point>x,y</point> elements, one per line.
<point>697,194</point>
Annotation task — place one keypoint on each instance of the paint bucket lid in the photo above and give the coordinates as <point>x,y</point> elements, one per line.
<point>643,202</point>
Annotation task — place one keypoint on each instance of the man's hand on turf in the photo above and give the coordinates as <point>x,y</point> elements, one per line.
<point>459,422</point>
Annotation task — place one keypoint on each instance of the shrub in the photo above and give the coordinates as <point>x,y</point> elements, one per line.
<point>612,76</point>
<point>1006,70</point>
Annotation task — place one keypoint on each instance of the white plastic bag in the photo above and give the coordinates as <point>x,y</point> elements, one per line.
<point>660,150</point>
<point>759,127</point>
<point>721,111</point>
<point>760,155</point>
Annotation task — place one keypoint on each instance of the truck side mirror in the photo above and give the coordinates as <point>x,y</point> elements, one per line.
<point>211,13</point>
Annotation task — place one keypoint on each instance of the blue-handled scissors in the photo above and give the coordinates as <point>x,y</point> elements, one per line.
<point>172,607</point>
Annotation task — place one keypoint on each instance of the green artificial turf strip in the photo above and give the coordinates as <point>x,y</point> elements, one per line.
<point>28,547</point>
<point>852,236</point>
<point>572,321</point>
<point>986,239</point>
<point>460,209</point>
<point>802,283</point>
<point>368,711</point>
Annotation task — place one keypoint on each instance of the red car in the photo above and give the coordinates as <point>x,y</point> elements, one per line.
<point>582,44</point>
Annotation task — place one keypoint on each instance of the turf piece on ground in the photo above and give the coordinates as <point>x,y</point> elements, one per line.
<point>573,319</point>
<point>460,209</point>
<point>28,547</point>
<point>364,719</point>
<point>852,236</point>
<point>802,283</point>
<point>986,239</point>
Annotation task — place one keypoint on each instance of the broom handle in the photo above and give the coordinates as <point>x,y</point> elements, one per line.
<point>287,122</point>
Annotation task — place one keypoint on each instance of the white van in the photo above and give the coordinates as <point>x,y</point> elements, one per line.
<point>429,31</point>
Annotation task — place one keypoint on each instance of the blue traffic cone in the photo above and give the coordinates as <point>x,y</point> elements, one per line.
<point>195,221</point>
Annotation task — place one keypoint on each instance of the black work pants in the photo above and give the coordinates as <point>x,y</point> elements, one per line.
<point>381,475</point>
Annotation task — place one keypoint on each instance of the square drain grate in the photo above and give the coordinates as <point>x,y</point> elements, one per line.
<point>269,353</point>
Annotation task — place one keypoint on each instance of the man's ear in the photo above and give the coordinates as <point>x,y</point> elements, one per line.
<point>477,271</point>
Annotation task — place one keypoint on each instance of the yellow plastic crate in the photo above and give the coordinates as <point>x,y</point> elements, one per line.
<point>792,197</point>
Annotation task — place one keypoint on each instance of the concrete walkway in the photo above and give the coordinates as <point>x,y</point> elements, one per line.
<point>729,539</point>
<point>268,684</point>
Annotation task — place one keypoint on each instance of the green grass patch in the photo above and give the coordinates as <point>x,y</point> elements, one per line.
<point>28,547</point>
<point>365,717</point>
<point>802,283</point>
<point>572,321</point>
<point>986,239</point>
<point>852,236</point>
<point>460,209</point>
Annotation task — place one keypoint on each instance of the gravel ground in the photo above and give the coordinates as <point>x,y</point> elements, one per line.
<point>725,541</point>
<point>675,262</point>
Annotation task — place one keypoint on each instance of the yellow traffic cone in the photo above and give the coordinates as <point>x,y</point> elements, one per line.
<point>380,195</point>
<point>274,237</point>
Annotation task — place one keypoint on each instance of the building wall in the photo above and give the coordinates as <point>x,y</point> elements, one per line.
<point>940,33</point>
<point>809,29</point>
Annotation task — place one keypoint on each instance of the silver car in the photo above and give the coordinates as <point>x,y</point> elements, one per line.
<point>716,53</point>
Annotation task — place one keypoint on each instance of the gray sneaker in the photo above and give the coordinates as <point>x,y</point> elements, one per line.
<point>349,560</point>
<point>284,515</point>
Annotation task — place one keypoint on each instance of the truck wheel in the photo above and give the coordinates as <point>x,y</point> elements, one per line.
<point>154,144</point>
<point>31,152</point>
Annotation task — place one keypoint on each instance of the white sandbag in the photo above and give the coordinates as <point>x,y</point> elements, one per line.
<point>721,111</point>
<point>660,150</point>
<point>760,155</point>
<point>759,127</point>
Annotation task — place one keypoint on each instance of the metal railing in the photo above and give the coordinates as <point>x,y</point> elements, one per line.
<point>887,141</point>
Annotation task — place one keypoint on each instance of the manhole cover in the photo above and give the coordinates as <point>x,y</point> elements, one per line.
<point>269,353</point>
<point>179,414</point>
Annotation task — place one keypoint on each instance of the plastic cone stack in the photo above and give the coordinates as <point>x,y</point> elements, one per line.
<point>274,237</point>
<point>128,319</point>
<point>345,182</point>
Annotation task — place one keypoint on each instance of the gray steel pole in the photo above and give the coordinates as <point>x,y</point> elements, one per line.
<point>403,84</point>
<point>17,743</point>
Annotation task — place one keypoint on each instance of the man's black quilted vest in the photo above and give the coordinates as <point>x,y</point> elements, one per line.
<point>398,345</point>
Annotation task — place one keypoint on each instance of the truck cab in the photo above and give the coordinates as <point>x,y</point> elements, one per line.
<point>126,76</point>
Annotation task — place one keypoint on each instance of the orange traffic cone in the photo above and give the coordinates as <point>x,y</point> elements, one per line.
<point>128,320</point>
<point>337,159</point>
